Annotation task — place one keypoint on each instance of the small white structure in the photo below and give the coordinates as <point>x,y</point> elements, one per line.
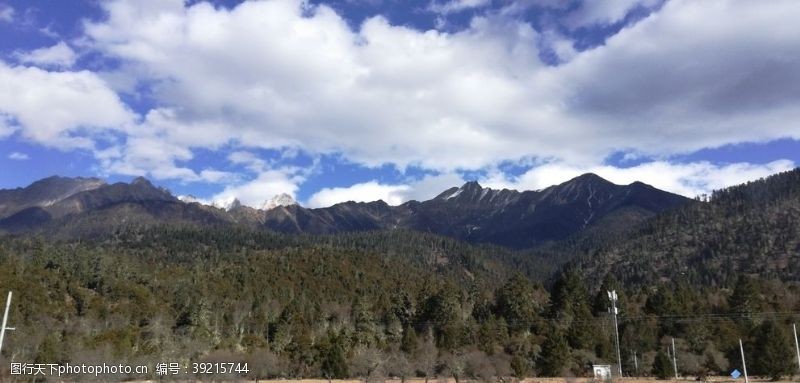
<point>601,371</point>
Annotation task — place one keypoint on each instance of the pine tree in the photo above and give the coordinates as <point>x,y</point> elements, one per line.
<point>663,303</point>
<point>744,299</point>
<point>334,363</point>
<point>662,366</point>
<point>555,355</point>
<point>570,303</point>
<point>442,309</point>
<point>773,352</point>
<point>409,341</point>
<point>516,303</point>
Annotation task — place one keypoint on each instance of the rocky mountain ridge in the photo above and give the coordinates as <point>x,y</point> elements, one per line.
<point>469,212</point>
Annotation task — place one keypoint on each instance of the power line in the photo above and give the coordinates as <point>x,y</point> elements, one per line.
<point>639,318</point>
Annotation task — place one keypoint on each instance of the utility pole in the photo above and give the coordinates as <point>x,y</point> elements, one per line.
<point>635,363</point>
<point>5,321</point>
<point>796,346</point>
<point>744,365</point>
<point>674,359</point>
<point>612,295</point>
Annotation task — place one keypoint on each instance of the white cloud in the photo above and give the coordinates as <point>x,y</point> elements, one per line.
<point>7,127</point>
<point>362,192</point>
<point>157,147</point>
<point>324,87</point>
<point>17,156</point>
<point>421,189</point>
<point>454,6</point>
<point>284,73</point>
<point>562,46</point>
<point>605,12</point>
<point>65,110</point>
<point>248,159</point>
<point>679,81</point>
<point>430,186</point>
<point>6,13</point>
<point>59,55</point>
<point>288,75</point>
<point>269,183</point>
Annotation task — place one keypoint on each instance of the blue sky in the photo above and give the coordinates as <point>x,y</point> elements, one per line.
<point>340,100</point>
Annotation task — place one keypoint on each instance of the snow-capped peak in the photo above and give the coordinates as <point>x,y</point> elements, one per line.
<point>188,198</point>
<point>228,203</point>
<point>282,199</point>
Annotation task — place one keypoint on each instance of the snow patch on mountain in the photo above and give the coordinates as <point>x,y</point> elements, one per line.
<point>282,199</point>
<point>227,204</point>
<point>190,199</point>
<point>455,194</point>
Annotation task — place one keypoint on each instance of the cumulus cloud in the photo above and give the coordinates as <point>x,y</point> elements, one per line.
<point>7,127</point>
<point>265,186</point>
<point>431,185</point>
<point>291,76</point>
<point>325,87</point>
<point>362,192</point>
<point>59,55</point>
<point>592,13</point>
<point>158,146</point>
<point>250,160</point>
<point>672,83</point>
<point>65,110</point>
<point>454,6</point>
<point>678,81</point>
<point>18,156</point>
<point>419,189</point>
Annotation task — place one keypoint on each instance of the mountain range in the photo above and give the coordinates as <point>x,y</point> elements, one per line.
<point>130,262</point>
<point>77,207</point>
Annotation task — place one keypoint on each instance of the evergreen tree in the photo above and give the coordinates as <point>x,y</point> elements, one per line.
<point>334,363</point>
<point>570,305</point>
<point>516,302</point>
<point>364,321</point>
<point>773,352</point>
<point>409,341</point>
<point>744,299</point>
<point>443,310</point>
<point>663,304</point>
<point>555,356</point>
<point>662,366</point>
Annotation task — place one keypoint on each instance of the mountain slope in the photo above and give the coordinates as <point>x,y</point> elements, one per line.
<point>44,192</point>
<point>471,212</point>
<point>482,215</point>
<point>752,228</point>
<point>107,207</point>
